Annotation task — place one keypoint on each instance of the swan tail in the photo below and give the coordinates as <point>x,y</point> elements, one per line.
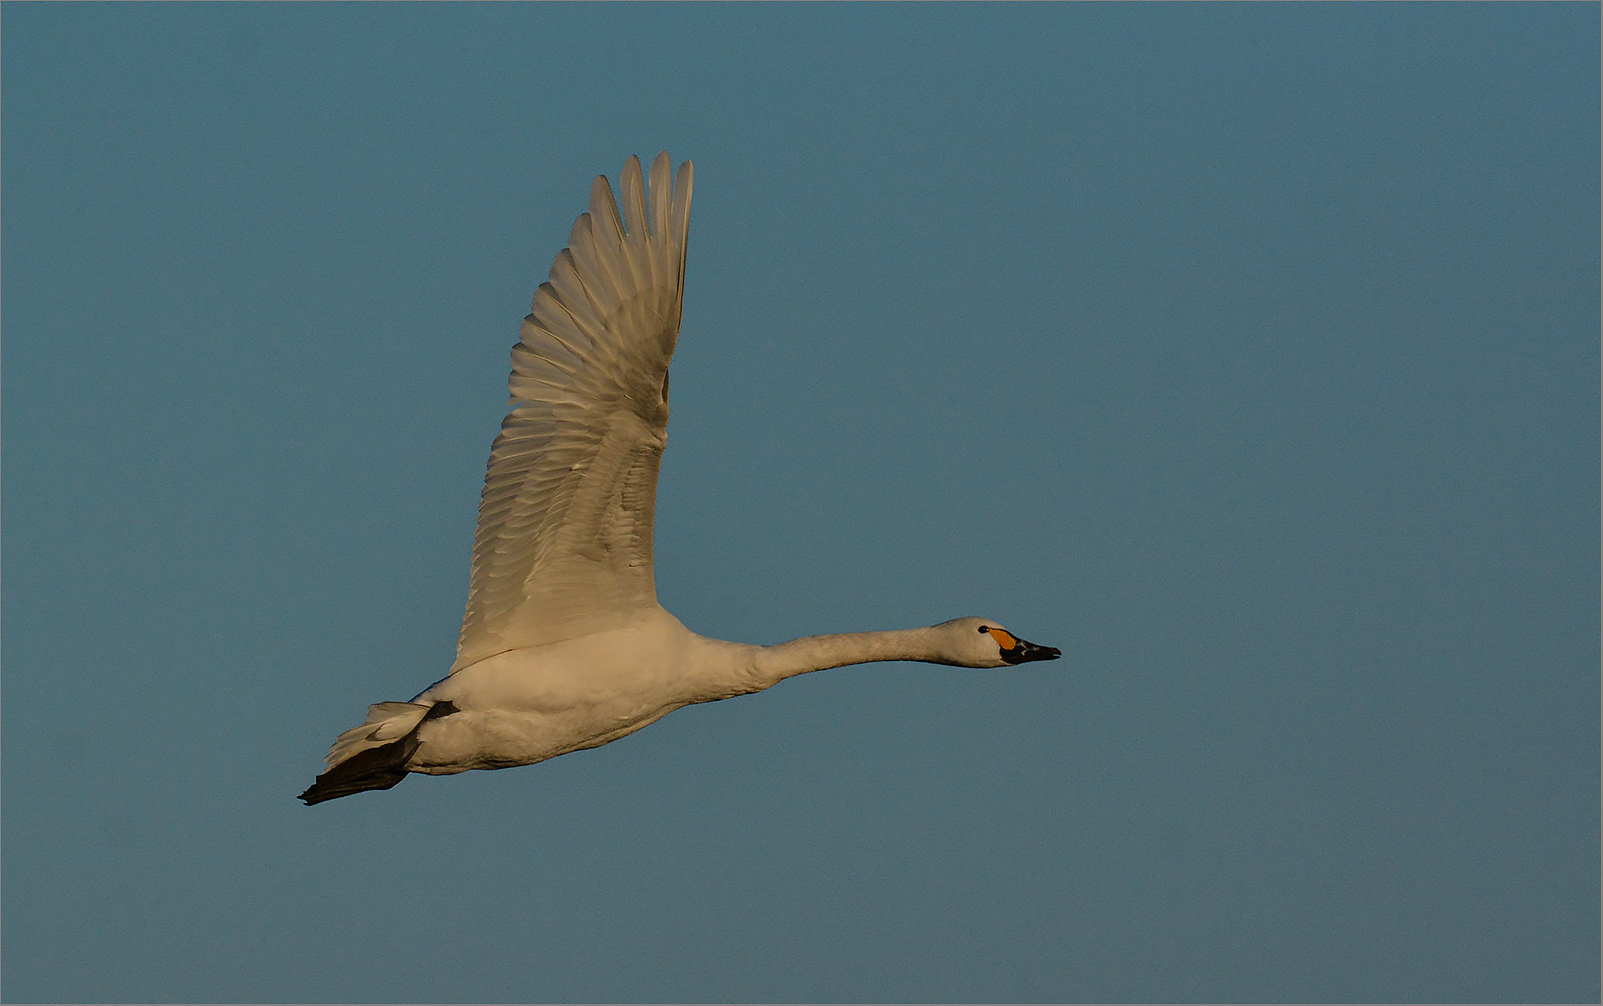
<point>375,754</point>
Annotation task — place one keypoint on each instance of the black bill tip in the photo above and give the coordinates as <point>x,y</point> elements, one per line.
<point>1026,652</point>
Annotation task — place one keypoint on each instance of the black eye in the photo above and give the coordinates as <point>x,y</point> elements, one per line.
<point>985,628</point>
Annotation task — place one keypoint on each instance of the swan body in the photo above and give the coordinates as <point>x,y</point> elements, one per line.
<point>563,645</point>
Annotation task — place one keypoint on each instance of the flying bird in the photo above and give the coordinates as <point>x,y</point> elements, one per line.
<point>564,646</point>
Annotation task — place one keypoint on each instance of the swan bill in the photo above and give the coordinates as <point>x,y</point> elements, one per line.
<point>1018,651</point>
<point>1022,652</point>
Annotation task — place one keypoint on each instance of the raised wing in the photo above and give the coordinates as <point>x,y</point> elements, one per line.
<point>563,547</point>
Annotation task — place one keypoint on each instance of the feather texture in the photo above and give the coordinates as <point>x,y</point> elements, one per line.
<point>563,546</point>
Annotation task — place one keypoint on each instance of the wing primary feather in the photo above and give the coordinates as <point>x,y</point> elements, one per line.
<point>636,244</point>
<point>573,296</point>
<point>592,271</point>
<point>606,225</point>
<point>634,198</point>
<point>661,197</point>
<point>679,236</point>
<point>604,208</point>
<point>551,316</point>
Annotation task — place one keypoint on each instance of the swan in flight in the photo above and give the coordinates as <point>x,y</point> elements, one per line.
<point>564,646</point>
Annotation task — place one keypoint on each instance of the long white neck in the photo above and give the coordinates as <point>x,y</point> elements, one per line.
<point>816,653</point>
<point>758,667</point>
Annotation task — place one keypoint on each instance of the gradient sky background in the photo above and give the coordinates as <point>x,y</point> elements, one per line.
<point>1249,354</point>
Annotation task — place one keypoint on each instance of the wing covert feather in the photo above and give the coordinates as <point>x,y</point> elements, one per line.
<point>564,540</point>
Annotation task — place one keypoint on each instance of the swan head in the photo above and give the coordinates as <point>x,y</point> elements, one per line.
<point>983,642</point>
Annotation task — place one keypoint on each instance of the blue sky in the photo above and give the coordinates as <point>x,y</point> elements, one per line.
<point>1250,354</point>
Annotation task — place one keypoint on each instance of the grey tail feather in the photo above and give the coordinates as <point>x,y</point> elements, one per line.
<point>376,768</point>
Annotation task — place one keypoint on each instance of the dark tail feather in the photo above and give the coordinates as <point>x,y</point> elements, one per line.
<point>376,768</point>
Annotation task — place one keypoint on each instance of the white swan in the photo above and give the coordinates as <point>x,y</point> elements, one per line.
<point>564,645</point>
